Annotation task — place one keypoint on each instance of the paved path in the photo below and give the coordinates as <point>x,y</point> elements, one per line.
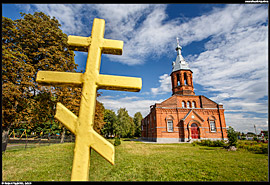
<point>153,142</point>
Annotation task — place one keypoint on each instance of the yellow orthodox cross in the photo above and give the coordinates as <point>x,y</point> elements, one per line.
<point>90,81</point>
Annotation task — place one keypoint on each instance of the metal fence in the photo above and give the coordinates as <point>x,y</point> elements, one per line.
<point>36,141</point>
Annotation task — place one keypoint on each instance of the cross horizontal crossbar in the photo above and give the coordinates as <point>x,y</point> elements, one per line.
<point>108,82</point>
<point>108,46</point>
<point>119,83</point>
<point>59,78</point>
<point>78,43</point>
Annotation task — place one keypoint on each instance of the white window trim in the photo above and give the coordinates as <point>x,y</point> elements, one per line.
<point>211,126</point>
<point>171,130</point>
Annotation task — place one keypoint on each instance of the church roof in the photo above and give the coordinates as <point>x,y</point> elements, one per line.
<point>180,62</point>
<point>193,111</point>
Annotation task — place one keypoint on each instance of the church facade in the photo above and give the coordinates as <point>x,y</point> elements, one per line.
<point>184,116</point>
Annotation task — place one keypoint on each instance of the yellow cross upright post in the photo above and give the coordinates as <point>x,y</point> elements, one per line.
<point>90,81</point>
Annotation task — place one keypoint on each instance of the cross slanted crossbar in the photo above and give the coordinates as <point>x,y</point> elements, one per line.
<point>90,81</point>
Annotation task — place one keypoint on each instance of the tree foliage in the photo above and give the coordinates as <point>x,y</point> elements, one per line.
<point>32,43</point>
<point>36,42</point>
<point>121,125</point>
<point>125,123</point>
<point>232,136</point>
<point>16,76</point>
<point>137,122</point>
<point>110,127</point>
<point>99,117</point>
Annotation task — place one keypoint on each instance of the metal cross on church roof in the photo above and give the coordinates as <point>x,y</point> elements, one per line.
<point>180,62</point>
<point>178,46</point>
<point>90,81</point>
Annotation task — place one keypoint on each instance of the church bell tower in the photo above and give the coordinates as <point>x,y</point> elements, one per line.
<point>181,75</point>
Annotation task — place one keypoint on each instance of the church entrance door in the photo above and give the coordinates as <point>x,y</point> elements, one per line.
<point>194,131</point>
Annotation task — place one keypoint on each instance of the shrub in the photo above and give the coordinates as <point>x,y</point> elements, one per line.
<point>256,148</point>
<point>218,143</point>
<point>264,149</point>
<point>232,136</point>
<point>117,141</point>
<point>208,142</point>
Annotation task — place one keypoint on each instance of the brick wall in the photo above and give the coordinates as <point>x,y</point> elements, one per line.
<point>155,125</point>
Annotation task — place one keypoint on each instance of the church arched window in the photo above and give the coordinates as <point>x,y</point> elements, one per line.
<point>169,125</point>
<point>193,104</point>
<point>178,79</point>
<point>188,104</point>
<point>185,78</point>
<point>212,124</point>
<point>169,119</point>
<point>183,104</point>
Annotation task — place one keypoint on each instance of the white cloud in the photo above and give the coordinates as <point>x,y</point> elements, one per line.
<point>165,85</point>
<point>140,26</point>
<point>24,7</point>
<point>221,21</point>
<point>132,103</point>
<point>121,19</point>
<point>236,67</point>
<point>146,34</point>
<point>69,15</point>
<point>145,29</point>
<point>245,123</point>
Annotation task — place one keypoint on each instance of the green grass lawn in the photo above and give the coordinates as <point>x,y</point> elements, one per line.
<point>136,161</point>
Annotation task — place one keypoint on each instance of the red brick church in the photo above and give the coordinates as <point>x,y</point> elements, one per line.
<point>184,116</point>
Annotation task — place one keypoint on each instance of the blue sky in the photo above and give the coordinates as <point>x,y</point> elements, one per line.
<point>226,46</point>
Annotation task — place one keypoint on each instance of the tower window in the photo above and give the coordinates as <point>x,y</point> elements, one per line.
<point>185,78</point>
<point>183,104</point>
<point>193,104</point>
<point>188,104</point>
<point>178,79</point>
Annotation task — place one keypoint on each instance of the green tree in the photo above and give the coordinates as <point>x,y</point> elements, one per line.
<point>34,42</point>
<point>99,117</point>
<point>110,127</point>
<point>45,45</point>
<point>16,78</point>
<point>137,122</point>
<point>232,136</point>
<point>125,123</point>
